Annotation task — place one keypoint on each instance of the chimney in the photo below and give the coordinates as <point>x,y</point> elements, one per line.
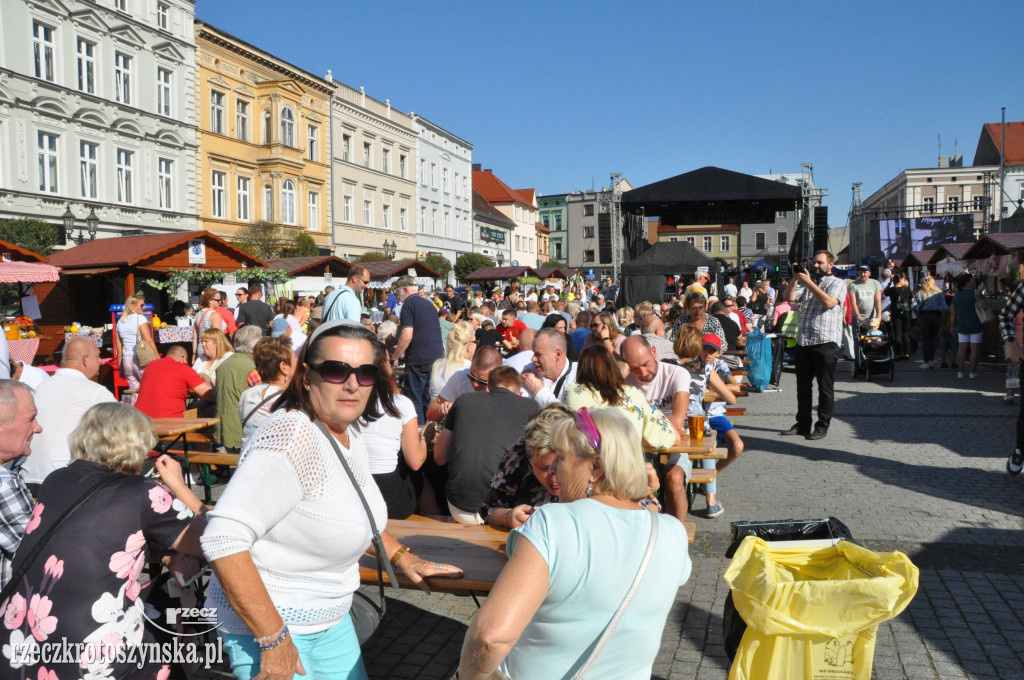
<point>476,167</point>
<point>387,102</point>
<point>943,161</point>
<point>362,91</point>
<point>329,78</point>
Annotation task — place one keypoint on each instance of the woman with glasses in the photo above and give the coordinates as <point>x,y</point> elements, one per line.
<point>207,318</point>
<point>696,306</point>
<point>604,331</point>
<point>131,327</point>
<point>286,535</point>
<point>573,563</point>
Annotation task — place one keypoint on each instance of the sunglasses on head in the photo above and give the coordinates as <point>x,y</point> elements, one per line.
<point>338,372</point>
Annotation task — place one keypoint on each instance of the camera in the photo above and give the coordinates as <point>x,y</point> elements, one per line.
<point>796,267</point>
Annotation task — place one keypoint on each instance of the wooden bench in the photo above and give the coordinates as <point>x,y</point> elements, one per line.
<point>700,476</point>
<point>733,411</point>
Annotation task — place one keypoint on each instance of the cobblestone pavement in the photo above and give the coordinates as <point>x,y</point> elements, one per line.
<point>916,465</point>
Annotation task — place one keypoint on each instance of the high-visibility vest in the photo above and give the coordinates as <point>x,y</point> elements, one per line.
<point>789,326</point>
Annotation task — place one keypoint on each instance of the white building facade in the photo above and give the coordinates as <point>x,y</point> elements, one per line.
<point>444,174</point>
<point>373,175</point>
<point>97,113</point>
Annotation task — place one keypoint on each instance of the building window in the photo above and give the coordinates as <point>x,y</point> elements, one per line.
<point>706,245</point>
<point>86,66</point>
<point>423,172</point>
<point>558,221</point>
<point>312,134</point>
<point>518,212</point>
<point>588,255</point>
<point>588,210</point>
<point>346,147</point>
<point>346,213</point>
<point>446,226</point>
<point>588,232</point>
<point>403,216</point>
<point>558,250</point>
<point>673,239</point>
<point>433,221</point>
<point>217,194</point>
<point>124,176</point>
<point>977,200</point>
<point>385,161</point>
<point>954,204</point>
<point>433,175</point>
<point>367,155</point>
<point>465,187</point>
<point>287,127</point>
<point>783,239</point>
<point>268,203</point>
<point>368,213</point>
<point>781,214</point>
<point>313,210</point>
<point>163,92</point>
<point>242,120</point>
<point>217,112</point>
<point>759,240</point>
<point>386,215</point>
<point>288,202</point>
<point>122,78</point>
<point>268,127</point>
<point>121,5</point>
<point>402,162</point>
<point>725,244</point>
<point>162,10</point>
<point>163,182</point>
<point>692,240</point>
<point>517,243</point>
<point>42,47</point>
<point>929,204</point>
<point>87,154</point>
<point>444,180</point>
<point>547,221</point>
<point>243,199</point>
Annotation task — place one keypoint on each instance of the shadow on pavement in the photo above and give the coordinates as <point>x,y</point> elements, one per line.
<point>412,638</point>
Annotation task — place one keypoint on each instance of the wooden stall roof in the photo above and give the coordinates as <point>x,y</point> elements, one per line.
<point>159,253</point>
<point>551,273</point>
<point>995,244</point>
<point>388,268</point>
<point>19,254</point>
<point>954,250</point>
<point>316,265</point>
<point>501,273</point>
<point>917,258</point>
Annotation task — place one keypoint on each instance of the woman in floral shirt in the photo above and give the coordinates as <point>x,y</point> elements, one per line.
<point>84,586</point>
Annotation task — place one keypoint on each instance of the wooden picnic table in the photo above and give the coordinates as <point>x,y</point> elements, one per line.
<point>478,550</point>
<point>172,430</point>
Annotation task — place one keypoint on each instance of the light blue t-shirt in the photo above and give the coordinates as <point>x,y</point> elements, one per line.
<point>593,553</point>
<point>342,303</point>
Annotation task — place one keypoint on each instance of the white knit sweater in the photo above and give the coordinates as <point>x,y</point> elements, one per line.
<point>292,506</point>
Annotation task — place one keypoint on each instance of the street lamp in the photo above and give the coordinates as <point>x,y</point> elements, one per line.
<point>91,224</point>
<point>499,258</point>
<point>390,249</point>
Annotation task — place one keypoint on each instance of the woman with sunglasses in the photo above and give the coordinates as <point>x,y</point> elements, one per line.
<point>697,305</point>
<point>132,327</point>
<point>286,535</point>
<point>572,564</point>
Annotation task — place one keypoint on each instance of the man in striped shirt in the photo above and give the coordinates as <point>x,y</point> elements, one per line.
<point>1013,353</point>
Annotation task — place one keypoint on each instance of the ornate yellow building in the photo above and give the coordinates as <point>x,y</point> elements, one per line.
<point>264,133</point>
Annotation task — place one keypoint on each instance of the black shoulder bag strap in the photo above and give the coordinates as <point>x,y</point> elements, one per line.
<point>561,381</point>
<point>257,406</point>
<point>31,557</point>
<point>378,542</point>
<point>334,302</point>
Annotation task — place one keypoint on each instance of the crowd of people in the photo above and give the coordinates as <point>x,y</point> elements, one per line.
<point>529,411</point>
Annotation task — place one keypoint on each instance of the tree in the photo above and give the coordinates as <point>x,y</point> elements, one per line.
<point>31,234</point>
<point>302,245</point>
<point>261,240</point>
<point>553,264</point>
<point>440,264</point>
<point>468,263</point>
<point>373,256</point>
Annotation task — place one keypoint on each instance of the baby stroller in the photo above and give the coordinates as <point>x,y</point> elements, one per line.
<point>875,350</point>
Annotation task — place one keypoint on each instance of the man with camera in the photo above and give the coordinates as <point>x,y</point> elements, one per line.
<point>819,296</point>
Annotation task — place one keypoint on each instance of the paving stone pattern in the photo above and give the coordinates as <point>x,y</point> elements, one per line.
<point>916,465</point>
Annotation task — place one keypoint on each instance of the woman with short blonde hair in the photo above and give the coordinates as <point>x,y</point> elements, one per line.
<point>461,344</point>
<point>216,349</point>
<point>930,303</point>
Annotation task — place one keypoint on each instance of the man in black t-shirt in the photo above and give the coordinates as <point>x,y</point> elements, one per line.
<point>254,311</point>
<point>419,338</point>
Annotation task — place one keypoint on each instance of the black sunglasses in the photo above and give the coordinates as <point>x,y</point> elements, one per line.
<point>473,378</point>
<point>338,372</point>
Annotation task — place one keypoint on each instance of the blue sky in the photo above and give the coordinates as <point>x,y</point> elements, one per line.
<point>557,96</point>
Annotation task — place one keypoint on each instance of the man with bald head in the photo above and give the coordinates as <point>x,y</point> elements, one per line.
<point>166,384</point>
<point>653,331</point>
<point>62,400</point>
<point>520,359</point>
<point>550,371</point>
<point>472,379</point>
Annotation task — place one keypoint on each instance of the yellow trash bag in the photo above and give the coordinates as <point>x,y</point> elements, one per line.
<point>812,613</point>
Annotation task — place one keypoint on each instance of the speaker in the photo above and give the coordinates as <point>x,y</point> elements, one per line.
<point>821,228</point>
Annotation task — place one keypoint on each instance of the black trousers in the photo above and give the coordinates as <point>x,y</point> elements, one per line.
<point>901,332</point>
<point>778,355</point>
<point>1020,414</point>
<point>815,362</point>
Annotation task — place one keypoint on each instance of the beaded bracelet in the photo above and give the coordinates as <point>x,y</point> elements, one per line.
<point>275,642</point>
<point>398,555</point>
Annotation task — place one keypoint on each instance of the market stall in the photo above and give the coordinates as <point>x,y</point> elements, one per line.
<point>24,269</point>
<point>310,275</point>
<point>383,275</point>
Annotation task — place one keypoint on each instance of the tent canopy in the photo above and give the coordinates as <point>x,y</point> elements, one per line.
<point>953,250</point>
<point>386,269</point>
<point>917,258</point>
<point>501,273</point>
<point>28,272</point>
<point>994,244</point>
<point>316,265</point>
<point>644,278</point>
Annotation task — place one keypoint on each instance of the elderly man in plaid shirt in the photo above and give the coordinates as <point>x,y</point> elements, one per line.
<point>1013,353</point>
<point>17,426</point>
<point>820,297</point>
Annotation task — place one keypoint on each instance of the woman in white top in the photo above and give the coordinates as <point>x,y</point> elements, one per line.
<point>275,362</point>
<point>216,349</point>
<point>207,318</point>
<point>395,432</point>
<point>461,345</point>
<point>132,325</point>
<point>286,536</point>
<point>296,313</point>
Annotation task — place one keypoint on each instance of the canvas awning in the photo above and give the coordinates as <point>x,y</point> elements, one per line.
<point>28,272</point>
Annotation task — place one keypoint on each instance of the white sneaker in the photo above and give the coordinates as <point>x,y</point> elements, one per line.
<point>973,376</point>
<point>927,364</point>
<point>960,374</point>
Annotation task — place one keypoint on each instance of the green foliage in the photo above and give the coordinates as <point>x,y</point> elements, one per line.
<point>302,245</point>
<point>372,256</point>
<point>468,263</point>
<point>554,263</point>
<point>531,280</point>
<point>205,277</point>
<point>30,234</point>
<point>440,264</point>
<point>262,240</point>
